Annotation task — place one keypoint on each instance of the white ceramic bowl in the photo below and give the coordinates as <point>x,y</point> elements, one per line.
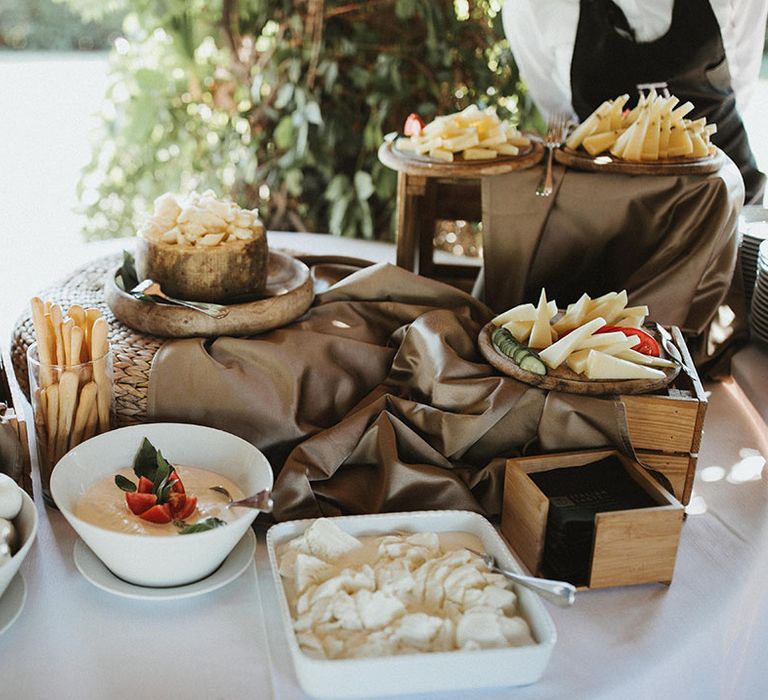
<point>428,672</point>
<point>147,560</point>
<point>26,526</point>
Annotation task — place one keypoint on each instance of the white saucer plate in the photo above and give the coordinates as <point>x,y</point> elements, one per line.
<point>12,602</point>
<point>93,569</point>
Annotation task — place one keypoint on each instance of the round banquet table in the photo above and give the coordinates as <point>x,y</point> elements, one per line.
<point>703,637</point>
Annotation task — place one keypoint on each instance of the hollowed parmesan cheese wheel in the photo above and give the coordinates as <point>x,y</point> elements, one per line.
<point>214,273</point>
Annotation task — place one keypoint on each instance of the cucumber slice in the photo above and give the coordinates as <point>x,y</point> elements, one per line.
<point>520,354</point>
<point>532,363</point>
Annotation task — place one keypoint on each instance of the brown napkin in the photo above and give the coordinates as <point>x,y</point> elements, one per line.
<point>376,400</point>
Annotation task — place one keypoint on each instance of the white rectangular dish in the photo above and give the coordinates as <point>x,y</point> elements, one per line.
<point>426,672</point>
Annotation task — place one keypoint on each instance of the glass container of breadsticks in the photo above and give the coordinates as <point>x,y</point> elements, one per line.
<point>70,382</point>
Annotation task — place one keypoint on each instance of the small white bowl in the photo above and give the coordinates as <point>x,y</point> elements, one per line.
<point>148,560</point>
<point>26,527</point>
<point>431,672</point>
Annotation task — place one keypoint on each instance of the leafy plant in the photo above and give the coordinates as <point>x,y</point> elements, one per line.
<point>283,105</point>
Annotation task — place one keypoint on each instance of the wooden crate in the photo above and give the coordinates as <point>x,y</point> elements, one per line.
<point>14,416</point>
<point>629,546</point>
<point>666,428</point>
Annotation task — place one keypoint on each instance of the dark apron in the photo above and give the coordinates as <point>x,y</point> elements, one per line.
<point>690,58</point>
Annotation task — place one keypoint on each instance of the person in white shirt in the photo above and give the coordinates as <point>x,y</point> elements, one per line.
<point>574,54</point>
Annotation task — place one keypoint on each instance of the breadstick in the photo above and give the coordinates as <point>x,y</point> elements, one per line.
<point>66,336</point>
<point>90,318</point>
<point>43,341</point>
<point>40,407</point>
<point>57,319</point>
<point>92,422</point>
<point>85,404</point>
<point>76,344</point>
<point>77,314</point>
<point>99,350</point>
<point>52,419</point>
<point>67,408</point>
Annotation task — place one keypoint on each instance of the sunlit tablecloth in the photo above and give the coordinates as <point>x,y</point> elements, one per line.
<point>704,637</point>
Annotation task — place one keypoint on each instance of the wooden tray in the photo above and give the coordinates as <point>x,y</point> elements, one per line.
<point>563,379</point>
<point>288,294</point>
<point>419,165</point>
<point>606,163</point>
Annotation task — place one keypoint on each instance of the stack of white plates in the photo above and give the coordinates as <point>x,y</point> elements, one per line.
<point>753,227</point>
<point>760,297</point>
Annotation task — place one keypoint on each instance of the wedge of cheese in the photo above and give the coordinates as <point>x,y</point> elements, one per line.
<point>541,333</point>
<point>574,316</point>
<point>558,352</point>
<point>610,309</point>
<point>577,361</point>
<point>641,359</point>
<point>630,322</point>
<point>520,330</point>
<point>602,366</point>
<point>522,312</point>
<point>603,340</point>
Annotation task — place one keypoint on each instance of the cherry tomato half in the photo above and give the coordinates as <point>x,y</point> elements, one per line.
<point>413,125</point>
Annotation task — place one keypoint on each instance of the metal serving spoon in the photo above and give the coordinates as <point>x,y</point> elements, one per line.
<point>261,501</point>
<point>560,593</point>
<point>150,288</point>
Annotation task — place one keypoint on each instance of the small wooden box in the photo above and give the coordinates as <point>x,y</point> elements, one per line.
<point>14,416</point>
<point>665,428</point>
<point>629,547</point>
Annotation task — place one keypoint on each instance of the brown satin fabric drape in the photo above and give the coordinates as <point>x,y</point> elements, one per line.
<point>670,241</point>
<point>376,400</point>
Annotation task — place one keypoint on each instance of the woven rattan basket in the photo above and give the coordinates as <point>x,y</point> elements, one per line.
<point>132,352</point>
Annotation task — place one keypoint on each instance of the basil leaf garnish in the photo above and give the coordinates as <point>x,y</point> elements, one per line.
<point>162,472</point>
<point>124,484</point>
<point>202,526</point>
<point>145,462</point>
<point>127,272</point>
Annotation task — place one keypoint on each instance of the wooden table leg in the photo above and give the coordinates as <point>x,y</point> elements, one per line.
<point>406,230</point>
<point>416,218</point>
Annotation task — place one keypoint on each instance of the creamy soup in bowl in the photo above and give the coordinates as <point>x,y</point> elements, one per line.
<point>130,546</point>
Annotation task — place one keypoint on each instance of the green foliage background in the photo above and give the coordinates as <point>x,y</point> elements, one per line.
<point>284,104</point>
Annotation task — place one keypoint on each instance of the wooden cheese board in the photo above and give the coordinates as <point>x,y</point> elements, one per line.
<point>289,292</point>
<point>606,163</point>
<point>563,379</point>
<point>422,165</point>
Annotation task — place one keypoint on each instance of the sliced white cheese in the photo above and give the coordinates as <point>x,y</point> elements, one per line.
<point>557,353</point>
<point>574,316</point>
<point>520,330</point>
<point>541,333</point>
<point>636,311</point>
<point>631,322</point>
<point>602,366</point>
<point>610,310</point>
<point>601,340</point>
<point>621,346</point>
<point>577,361</point>
<point>592,304</point>
<point>522,312</point>
<point>642,359</point>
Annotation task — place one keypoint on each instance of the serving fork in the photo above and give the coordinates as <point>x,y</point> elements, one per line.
<point>554,139</point>
<point>150,288</point>
<point>261,501</point>
<point>560,593</point>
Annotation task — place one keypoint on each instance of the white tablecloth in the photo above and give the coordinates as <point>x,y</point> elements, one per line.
<point>703,637</point>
